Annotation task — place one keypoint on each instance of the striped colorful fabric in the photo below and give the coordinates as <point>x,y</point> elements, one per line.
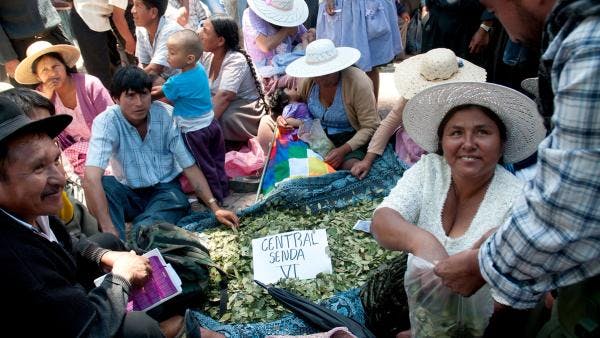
<point>291,159</point>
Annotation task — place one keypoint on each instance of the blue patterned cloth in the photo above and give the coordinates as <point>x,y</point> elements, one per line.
<point>347,303</point>
<point>552,238</point>
<point>317,194</point>
<point>137,162</point>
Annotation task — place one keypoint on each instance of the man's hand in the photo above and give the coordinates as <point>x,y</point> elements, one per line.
<point>405,17</point>
<point>460,272</point>
<point>479,41</point>
<point>136,269</point>
<point>335,157</point>
<point>11,66</point>
<point>330,7</point>
<point>130,46</point>
<point>110,228</point>
<point>227,218</point>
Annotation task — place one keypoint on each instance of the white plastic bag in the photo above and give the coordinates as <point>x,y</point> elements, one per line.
<point>312,133</point>
<point>436,311</point>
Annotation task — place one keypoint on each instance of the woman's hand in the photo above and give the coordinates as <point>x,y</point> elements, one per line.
<point>136,269</point>
<point>335,157</point>
<point>360,169</point>
<point>227,218</point>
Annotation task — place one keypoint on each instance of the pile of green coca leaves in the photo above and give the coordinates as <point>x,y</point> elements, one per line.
<point>354,254</point>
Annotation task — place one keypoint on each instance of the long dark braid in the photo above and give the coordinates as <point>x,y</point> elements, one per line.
<point>227,28</point>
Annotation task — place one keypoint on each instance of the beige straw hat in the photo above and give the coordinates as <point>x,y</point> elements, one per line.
<point>24,74</point>
<point>524,126</point>
<point>322,58</point>
<point>435,67</point>
<point>284,13</point>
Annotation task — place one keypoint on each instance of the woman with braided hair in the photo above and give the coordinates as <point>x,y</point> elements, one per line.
<point>237,95</point>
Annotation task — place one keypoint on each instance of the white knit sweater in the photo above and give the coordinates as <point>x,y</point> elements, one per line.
<point>421,193</point>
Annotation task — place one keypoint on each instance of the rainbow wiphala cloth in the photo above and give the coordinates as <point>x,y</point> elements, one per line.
<point>291,159</point>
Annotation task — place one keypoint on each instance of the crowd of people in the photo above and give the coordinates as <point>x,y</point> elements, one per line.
<point>499,193</point>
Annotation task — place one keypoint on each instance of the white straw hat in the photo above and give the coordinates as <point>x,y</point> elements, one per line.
<point>524,126</point>
<point>435,67</point>
<point>284,13</point>
<point>322,58</point>
<point>24,74</point>
<point>5,86</point>
<point>530,85</point>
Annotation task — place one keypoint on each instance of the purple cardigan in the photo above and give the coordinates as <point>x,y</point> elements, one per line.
<point>92,97</point>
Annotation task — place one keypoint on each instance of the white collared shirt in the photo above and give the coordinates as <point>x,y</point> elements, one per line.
<point>156,52</point>
<point>44,224</point>
<point>96,13</point>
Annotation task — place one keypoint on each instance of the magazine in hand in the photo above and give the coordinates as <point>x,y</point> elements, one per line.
<point>162,285</point>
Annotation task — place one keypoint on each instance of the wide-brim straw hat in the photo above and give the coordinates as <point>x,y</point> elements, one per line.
<point>524,126</point>
<point>24,72</point>
<point>322,58</point>
<point>13,120</point>
<point>284,13</point>
<point>437,66</point>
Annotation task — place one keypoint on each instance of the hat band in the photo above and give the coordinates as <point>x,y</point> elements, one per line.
<point>9,126</point>
<point>321,57</point>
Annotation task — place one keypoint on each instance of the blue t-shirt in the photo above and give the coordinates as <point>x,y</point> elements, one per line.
<point>190,93</point>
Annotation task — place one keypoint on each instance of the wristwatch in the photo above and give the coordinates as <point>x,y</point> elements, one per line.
<point>485,27</point>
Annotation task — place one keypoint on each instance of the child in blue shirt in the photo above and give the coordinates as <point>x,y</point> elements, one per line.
<point>189,93</point>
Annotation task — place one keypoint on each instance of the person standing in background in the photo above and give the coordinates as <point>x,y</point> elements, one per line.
<point>23,22</point>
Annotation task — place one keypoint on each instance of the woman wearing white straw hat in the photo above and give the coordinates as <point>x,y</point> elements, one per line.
<point>339,95</point>
<point>419,72</point>
<point>455,196</point>
<point>271,28</point>
<point>81,96</point>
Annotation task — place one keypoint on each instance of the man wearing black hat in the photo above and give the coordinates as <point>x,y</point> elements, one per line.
<point>43,266</point>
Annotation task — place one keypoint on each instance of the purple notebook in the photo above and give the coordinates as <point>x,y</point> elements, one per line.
<point>162,285</point>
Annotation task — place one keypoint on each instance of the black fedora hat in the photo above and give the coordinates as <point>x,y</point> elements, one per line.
<point>13,120</point>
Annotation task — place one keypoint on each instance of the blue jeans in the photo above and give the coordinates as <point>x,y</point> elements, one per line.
<point>161,202</point>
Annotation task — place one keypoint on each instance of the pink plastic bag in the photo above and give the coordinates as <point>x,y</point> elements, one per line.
<point>247,161</point>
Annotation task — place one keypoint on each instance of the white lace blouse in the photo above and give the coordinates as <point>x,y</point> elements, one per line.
<point>421,193</point>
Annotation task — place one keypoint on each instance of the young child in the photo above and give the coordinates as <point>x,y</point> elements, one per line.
<point>291,111</point>
<point>189,93</point>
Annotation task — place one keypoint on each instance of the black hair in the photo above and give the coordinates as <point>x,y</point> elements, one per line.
<point>278,101</point>
<point>130,78</point>
<point>28,99</point>
<point>227,28</point>
<point>486,111</point>
<point>70,70</point>
<point>161,5</point>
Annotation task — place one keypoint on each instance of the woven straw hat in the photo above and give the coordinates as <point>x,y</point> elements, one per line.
<point>524,126</point>
<point>530,85</point>
<point>322,58</point>
<point>435,67</point>
<point>284,13</point>
<point>24,74</point>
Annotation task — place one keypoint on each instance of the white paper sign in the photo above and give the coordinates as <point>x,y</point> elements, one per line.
<point>297,254</point>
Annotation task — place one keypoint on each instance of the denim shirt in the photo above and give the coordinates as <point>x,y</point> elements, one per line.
<point>333,119</point>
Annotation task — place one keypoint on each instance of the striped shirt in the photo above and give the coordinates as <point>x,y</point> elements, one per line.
<point>552,238</point>
<point>137,162</point>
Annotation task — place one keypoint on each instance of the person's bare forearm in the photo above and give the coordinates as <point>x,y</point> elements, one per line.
<point>201,187</point>
<point>123,29</point>
<point>97,203</point>
<point>221,102</point>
